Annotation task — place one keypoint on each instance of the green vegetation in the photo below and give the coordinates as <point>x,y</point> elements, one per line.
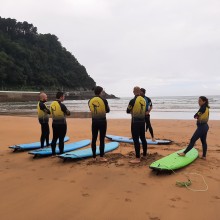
<point>32,61</point>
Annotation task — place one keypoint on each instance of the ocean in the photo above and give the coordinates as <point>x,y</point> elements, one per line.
<point>176,107</point>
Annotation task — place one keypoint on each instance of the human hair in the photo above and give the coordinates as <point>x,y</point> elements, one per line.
<point>143,90</point>
<point>98,90</point>
<point>206,100</point>
<point>137,90</point>
<point>59,95</point>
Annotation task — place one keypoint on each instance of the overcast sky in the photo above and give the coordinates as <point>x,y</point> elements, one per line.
<point>169,47</point>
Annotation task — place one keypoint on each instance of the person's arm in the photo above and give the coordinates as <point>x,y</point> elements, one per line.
<point>64,109</point>
<point>44,108</point>
<point>130,106</point>
<point>107,109</point>
<point>200,112</point>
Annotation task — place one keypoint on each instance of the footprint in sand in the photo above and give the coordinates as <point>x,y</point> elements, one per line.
<point>40,178</point>
<point>128,191</point>
<point>72,181</point>
<point>172,206</point>
<point>143,184</point>
<point>105,177</point>
<point>127,200</point>
<point>175,199</point>
<point>85,194</point>
<point>216,197</point>
<point>154,218</point>
<point>89,173</point>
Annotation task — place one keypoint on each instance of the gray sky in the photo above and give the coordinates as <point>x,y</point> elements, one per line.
<point>169,47</point>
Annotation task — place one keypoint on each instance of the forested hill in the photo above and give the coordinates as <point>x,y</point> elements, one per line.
<point>33,61</point>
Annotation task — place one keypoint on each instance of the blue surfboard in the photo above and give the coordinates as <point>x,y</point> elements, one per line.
<point>34,145</point>
<point>130,140</point>
<point>85,153</point>
<point>68,147</point>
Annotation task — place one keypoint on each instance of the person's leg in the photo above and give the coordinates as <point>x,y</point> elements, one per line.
<point>143,139</point>
<point>147,121</point>
<point>47,134</point>
<point>94,138</point>
<point>43,135</point>
<point>62,134</point>
<point>150,128</point>
<point>103,128</point>
<point>55,138</point>
<point>203,140</point>
<point>193,140</point>
<point>135,131</point>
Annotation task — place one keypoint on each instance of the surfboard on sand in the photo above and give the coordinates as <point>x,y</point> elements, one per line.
<point>174,161</point>
<point>130,140</point>
<point>85,153</point>
<point>68,147</point>
<point>34,145</point>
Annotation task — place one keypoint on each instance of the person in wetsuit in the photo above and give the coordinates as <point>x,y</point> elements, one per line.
<point>43,117</point>
<point>59,112</point>
<point>202,117</point>
<point>149,107</point>
<point>99,107</point>
<point>137,108</point>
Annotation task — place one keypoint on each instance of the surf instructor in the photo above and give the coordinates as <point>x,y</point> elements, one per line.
<point>59,112</point>
<point>99,107</point>
<point>137,108</point>
<point>43,117</point>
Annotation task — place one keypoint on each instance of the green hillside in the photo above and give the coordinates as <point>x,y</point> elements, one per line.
<point>33,61</point>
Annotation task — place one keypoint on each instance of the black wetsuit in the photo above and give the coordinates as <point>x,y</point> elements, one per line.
<point>99,107</point>
<point>59,129</point>
<point>138,124</point>
<point>147,117</point>
<point>202,129</point>
<point>44,122</point>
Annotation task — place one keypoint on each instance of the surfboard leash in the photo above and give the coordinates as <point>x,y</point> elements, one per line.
<point>189,182</point>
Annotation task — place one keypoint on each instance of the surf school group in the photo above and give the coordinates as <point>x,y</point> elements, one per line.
<point>139,107</point>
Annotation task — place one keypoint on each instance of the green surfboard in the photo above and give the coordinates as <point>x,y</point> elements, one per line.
<point>174,161</point>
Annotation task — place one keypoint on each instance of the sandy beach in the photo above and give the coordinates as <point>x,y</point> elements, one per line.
<point>47,188</point>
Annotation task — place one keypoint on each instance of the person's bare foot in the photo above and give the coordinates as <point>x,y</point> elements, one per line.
<point>53,156</point>
<point>135,161</point>
<point>203,158</point>
<point>103,159</point>
<point>181,154</point>
<point>94,159</point>
<point>153,139</point>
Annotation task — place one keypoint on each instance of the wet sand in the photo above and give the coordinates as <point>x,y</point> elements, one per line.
<point>47,188</point>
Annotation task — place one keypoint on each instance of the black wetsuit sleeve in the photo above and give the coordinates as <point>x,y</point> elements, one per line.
<point>107,109</point>
<point>130,106</point>
<point>201,111</point>
<point>64,109</point>
<point>150,102</point>
<point>44,108</point>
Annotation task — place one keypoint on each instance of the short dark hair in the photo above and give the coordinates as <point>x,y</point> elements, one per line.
<point>143,90</point>
<point>59,95</point>
<point>98,90</point>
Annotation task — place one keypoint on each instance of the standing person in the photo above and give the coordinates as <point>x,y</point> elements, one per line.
<point>99,107</point>
<point>43,117</point>
<point>202,117</point>
<point>149,107</point>
<point>137,108</point>
<point>59,112</point>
